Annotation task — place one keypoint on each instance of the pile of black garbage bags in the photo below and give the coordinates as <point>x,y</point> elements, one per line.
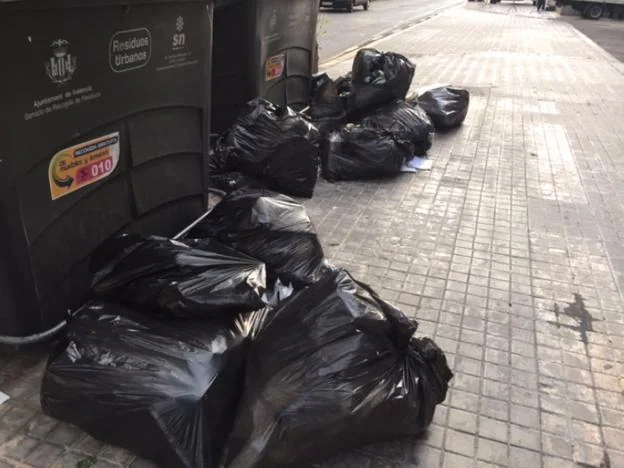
<point>360,126</point>
<point>369,128</point>
<point>239,345</point>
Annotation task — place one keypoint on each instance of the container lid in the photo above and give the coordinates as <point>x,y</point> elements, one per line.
<point>25,5</point>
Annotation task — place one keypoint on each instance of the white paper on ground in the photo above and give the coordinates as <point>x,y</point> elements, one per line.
<point>406,168</point>
<point>421,164</point>
<point>417,164</point>
<point>4,398</point>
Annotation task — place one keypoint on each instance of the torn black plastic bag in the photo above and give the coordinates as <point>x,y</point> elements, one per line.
<point>379,78</point>
<point>332,369</point>
<point>271,227</point>
<point>204,280</point>
<point>358,153</point>
<point>165,390</point>
<point>446,106</point>
<point>405,122</point>
<point>272,144</point>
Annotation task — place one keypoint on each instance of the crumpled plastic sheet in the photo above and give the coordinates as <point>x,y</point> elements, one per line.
<point>279,293</point>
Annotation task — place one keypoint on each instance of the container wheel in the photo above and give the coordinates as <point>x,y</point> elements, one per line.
<point>350,6</point>
<point>594,12</point>
<point>366,5</point>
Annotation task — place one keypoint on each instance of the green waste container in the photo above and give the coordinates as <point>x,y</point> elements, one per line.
<point>105,123</point>
<point>262,48</point>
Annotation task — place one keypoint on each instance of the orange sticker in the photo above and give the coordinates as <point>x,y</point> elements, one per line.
<point>74,168</point>
<point>274,67</point>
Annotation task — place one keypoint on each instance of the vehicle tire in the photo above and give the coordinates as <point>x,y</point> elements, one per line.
<point>365,6</point>
<point>594,12</point>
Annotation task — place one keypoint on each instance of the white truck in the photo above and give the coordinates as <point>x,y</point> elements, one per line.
<point>596,9</point>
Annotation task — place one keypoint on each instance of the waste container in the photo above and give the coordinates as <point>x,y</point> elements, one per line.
<point>262,48</point>
<point>104,123</point>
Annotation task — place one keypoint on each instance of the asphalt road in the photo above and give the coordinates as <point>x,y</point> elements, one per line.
<point>339,30</point>
<point>607,33</point>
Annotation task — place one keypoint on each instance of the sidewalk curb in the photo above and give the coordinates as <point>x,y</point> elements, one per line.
<point>615,63</point>
<point>395,30</point>
<point>485,9</point>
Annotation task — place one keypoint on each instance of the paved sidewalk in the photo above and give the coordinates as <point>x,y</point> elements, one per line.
<point>509,252</point>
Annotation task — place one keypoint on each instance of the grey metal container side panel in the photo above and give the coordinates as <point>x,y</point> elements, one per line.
<point>233,60</point>
<point>13,297</point>
<point>271,48</point>
<point>291,45</point>
<point>154,107</point>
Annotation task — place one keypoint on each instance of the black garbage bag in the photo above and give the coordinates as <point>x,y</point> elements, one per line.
<point>446,106</point>
<point>272,144</point>
<point>165,390</point>
<point>344,87</point>
<point>343,84</point>
<point>204,280</point>
<point>324,98</point>
<point>355,152</point>
<point>378,79</point>
<point>327,109</point>
<point>271,227</point>
<point>333,368</point>
<point>405,122</point>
